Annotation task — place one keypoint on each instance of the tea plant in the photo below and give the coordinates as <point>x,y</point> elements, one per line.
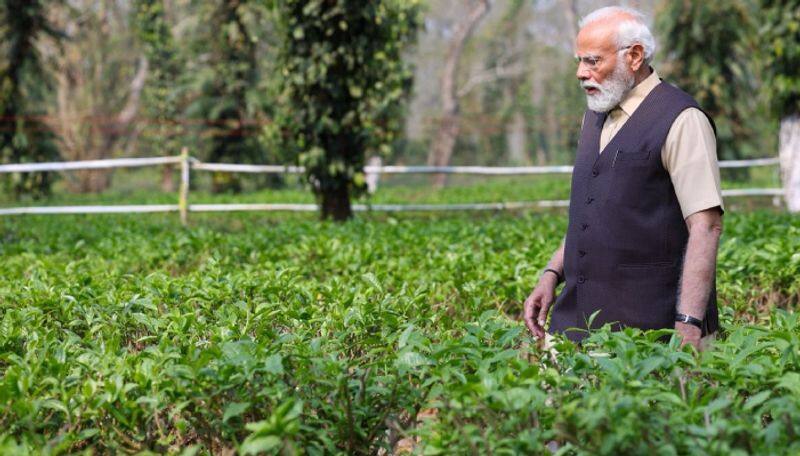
<point>279,334</point>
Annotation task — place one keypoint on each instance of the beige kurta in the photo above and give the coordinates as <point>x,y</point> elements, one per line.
<point>689,153</point>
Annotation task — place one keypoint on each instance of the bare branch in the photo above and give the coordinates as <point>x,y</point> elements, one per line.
<point>445,138</point>
<point>460,37</point>
<point>127,113</point>
<point>491,75</point>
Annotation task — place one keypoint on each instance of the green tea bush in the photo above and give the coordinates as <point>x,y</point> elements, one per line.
<point>280,334</point>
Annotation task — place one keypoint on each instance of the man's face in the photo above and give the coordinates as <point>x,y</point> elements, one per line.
<point>603,70</point>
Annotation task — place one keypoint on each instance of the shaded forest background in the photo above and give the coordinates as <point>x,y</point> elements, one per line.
<point>90,79</point>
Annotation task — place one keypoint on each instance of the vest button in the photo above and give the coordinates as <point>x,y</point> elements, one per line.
<point>589,200</point>
<point>581,252</point>
<point>595,173</point>
<point>581,279</point>
<point>584,226</point>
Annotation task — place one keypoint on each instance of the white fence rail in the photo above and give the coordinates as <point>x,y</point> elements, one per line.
<point>119,209</point>
<point>188,163</point>
<point>280,169</point>
<point>89,164</point>
<point>473,170</point>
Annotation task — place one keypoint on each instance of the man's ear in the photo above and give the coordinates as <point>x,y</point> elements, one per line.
<point>636,57</point>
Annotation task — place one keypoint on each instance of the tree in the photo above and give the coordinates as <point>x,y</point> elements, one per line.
<point>344,85</point>
<point>446,135</point>
<point>780,37</point>
<point>160,96</point>
<point>232,97</point>
<point>709,56</point>
<point>23,89</point>
<point>98,88</point>
<point>508,84</point>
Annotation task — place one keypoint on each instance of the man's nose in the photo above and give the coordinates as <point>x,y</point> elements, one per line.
<point>583,73</point>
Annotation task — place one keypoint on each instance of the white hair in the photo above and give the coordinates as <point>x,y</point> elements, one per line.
<point>629,32</point>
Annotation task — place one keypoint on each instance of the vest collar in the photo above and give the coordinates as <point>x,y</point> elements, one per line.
<point>599,120</point>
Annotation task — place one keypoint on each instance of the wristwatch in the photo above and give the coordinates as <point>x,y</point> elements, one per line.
<point>560,278</point>
<point>683,318</point>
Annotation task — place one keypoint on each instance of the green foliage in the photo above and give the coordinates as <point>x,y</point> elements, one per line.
<point>23,89</point>
<point>344,81</point>
<point>231,80</point>
<point>710,54</point>
<point>780,37</point>
<point>131,334</point>
<point>162,95</point>
<point>545,93</point>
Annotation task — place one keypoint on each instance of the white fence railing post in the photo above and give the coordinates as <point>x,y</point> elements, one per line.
<point>789,155</point>
<point>183,197</point>
<point>371,176</point>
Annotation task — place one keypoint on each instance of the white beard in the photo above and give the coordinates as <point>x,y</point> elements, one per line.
<point>612,91</point>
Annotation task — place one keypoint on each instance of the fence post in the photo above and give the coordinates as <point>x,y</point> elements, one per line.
<point>372,178</point>
<point>789,153</point>
<point>183,197</point>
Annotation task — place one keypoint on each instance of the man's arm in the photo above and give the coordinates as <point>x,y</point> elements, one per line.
<point>538,303</point>
<point>699,270</point>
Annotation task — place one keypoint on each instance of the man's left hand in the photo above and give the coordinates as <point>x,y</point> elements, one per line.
<point>689,334</point>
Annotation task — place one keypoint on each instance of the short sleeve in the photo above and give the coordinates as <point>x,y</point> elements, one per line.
<point>689,155</point>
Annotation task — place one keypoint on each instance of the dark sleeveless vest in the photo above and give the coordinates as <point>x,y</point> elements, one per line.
<point>626,236</point>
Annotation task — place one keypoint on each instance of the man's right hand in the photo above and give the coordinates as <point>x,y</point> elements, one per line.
<point>538,304</point>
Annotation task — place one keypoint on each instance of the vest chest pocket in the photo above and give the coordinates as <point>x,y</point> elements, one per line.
<point>631,179</point>
<point>639,155</point>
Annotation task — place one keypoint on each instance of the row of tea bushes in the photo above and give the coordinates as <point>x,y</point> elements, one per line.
<point>284,335</point>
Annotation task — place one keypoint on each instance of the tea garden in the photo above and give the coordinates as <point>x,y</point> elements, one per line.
<point>279,334</point>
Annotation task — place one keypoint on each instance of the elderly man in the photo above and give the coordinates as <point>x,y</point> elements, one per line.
<point>646,209</point>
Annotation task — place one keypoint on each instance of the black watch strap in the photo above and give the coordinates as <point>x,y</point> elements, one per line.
<point>683,318</point>
<point>560,279</point>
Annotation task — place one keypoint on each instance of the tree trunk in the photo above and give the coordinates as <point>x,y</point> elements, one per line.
<point>336,204</point>
<point>90,181</point>
<point>789,151</point>
<point>443,146</point>
<point>571,17</point>
<point>79,141</point>
<point>541,156</point>
<point>167,179</point>
<point>445,139</point>
<point>516,136</point>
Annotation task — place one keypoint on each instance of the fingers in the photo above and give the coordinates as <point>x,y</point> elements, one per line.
<point>528,313</point>
<point>543,309</point>
<point>531,313</point>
